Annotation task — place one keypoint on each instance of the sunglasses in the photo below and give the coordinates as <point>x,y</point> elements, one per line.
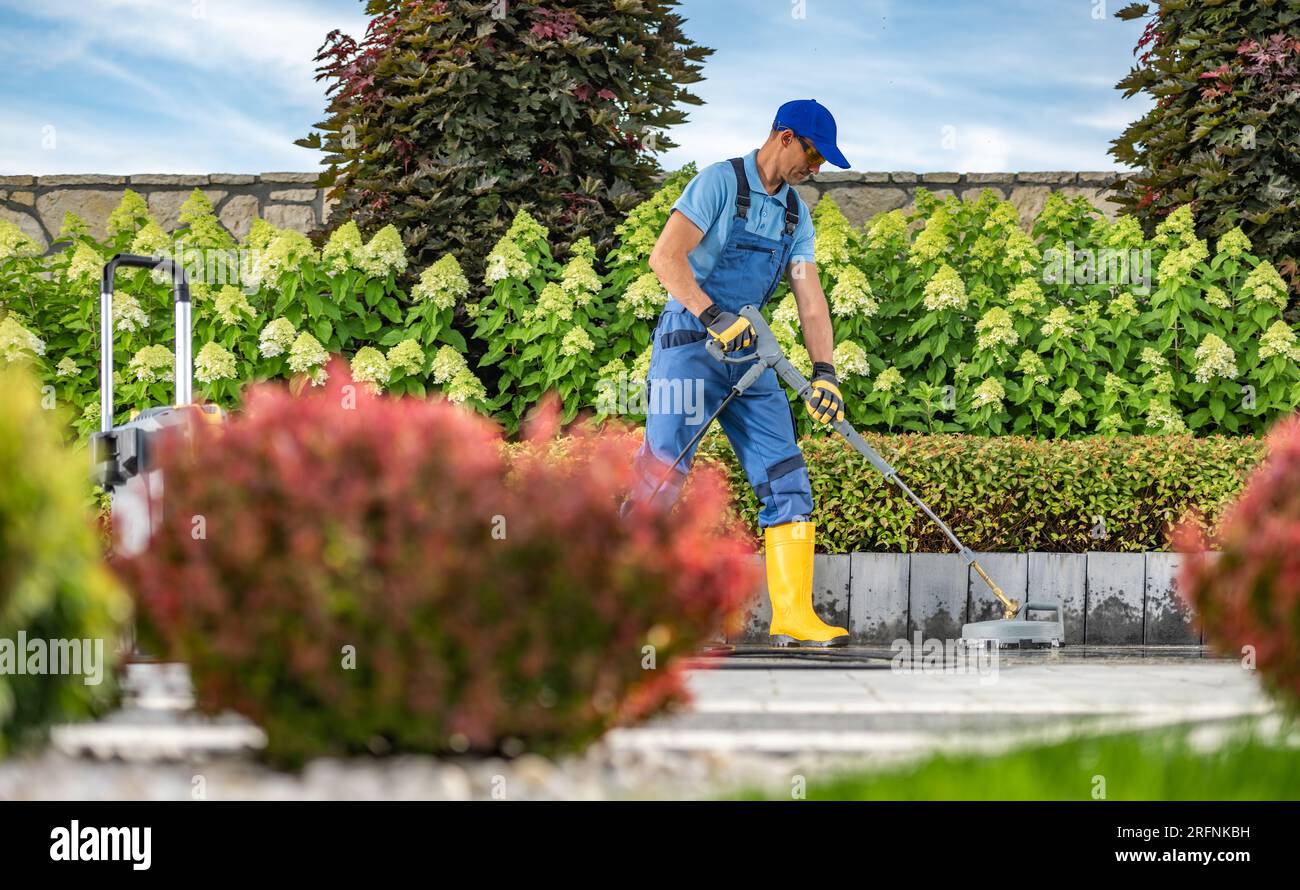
<point>811,154</point>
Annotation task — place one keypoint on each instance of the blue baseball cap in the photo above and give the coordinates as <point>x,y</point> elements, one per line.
<point>813,122</point>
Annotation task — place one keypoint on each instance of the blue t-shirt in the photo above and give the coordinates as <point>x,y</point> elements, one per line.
<point>709,201</point>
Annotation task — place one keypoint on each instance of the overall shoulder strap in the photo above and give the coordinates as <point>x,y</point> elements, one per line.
<point>791,211</point>
<point>742,188</point>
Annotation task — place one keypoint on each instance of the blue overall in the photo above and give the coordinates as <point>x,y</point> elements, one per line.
<point>759,423</point>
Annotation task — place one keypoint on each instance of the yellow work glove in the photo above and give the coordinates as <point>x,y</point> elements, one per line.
<point>825,403</point>
<point>730,330</point>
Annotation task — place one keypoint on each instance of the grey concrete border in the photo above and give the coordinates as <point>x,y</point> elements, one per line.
<point>1106,598</point>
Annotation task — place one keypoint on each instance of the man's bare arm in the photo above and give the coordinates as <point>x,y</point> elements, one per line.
<point>668,261</point>
<point>814,314</point>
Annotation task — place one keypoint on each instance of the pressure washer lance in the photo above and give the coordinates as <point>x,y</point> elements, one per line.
<point>767,354</point>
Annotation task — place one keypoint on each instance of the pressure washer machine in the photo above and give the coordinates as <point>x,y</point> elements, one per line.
<point>125,457</point>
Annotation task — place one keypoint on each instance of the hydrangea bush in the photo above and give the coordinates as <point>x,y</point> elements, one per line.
<point>948,318</point>
<point>270,306</point>
<point>954,319</point>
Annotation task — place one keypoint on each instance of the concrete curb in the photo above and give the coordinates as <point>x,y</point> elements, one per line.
<point>1106,598</point>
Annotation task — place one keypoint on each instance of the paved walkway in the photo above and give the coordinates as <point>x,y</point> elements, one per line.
<point>758,716</point>
<point>860,702</point>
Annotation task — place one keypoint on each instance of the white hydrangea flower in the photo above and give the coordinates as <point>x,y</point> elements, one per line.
<point>1058,321</point>
<point>1153,358</point>
<point>343,249</point>
<point>524,229</point>
<point>1031,365</point>
<point>232,306</point>
<point>786,313</point>
<point>14,242</point>
<point>932,241</point>
<point>16,341</point>
<point>442,284</point>
<point>1264,285</point>
<point>1123,305</point>
<point>888,232</point>
<point>851,296</point>
<point>1069,397</point>
<point>1177,228</point>
<point>1125,234</point>
<point>86,264</point>
<point>644,298</point>
<point>276,337</point>
<point>151,240</point>
<point>407,356</point>
<point>152,364</point>
<point>1162,382</point>
<point>66,368</point>
<point>579,279</point>
<point>995,329</point>
<point>1279,339</point>
<point>945,290</point>
<point>1233,243</point>
<point>1115,383</point>
<point>447,363</point>
<point>127,314</point>
<point>831,247</point>
<point>1216,297</point>
<point>850,359</point>
<point>552,302</point>
<point>887,380</point>
<point>1179,263</point>
<point>370,366</point>
<point>1111,423</point>
<point>306,354</point>
<point>464,387</point>
<point>576,341</point>
<point>506,261</point>
<point>384,254</point>
<point>1020,255</point>
<point>989,392</point>
<point>1214,358</point>
<point>1025,297</point>
<point>797,353</point>
<point>284,252</point>
<point>1164,419</point>
<point>214,362</point>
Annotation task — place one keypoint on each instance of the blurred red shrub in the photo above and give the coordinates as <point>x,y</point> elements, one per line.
<point>1248,594</point>
<point>357,574</point>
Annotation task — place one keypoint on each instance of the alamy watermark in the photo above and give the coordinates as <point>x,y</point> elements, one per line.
<point>1121,268</point>
<point>72,657</point>
<point>214,266</point>
<point>936,656</point>
<point>682,396</point>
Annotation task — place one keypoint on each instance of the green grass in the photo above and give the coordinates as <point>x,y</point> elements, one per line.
<point>1136,766</point>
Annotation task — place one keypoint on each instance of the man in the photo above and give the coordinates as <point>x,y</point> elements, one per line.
<point>738,227</point>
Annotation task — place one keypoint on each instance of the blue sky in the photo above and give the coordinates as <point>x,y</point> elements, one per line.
<point>197,86</point>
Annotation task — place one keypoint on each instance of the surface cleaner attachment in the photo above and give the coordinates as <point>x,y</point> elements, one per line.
<point>1020,631</point>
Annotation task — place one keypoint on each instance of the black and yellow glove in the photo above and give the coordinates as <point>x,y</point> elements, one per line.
<point>825,404</point>
<point>730,330</point>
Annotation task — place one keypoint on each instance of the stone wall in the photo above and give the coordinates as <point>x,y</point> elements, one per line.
<point>290,200</point>
<point>862,195</point>
<point>37,203</point>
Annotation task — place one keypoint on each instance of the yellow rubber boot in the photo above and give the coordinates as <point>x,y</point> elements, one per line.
<point>789,585</point>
